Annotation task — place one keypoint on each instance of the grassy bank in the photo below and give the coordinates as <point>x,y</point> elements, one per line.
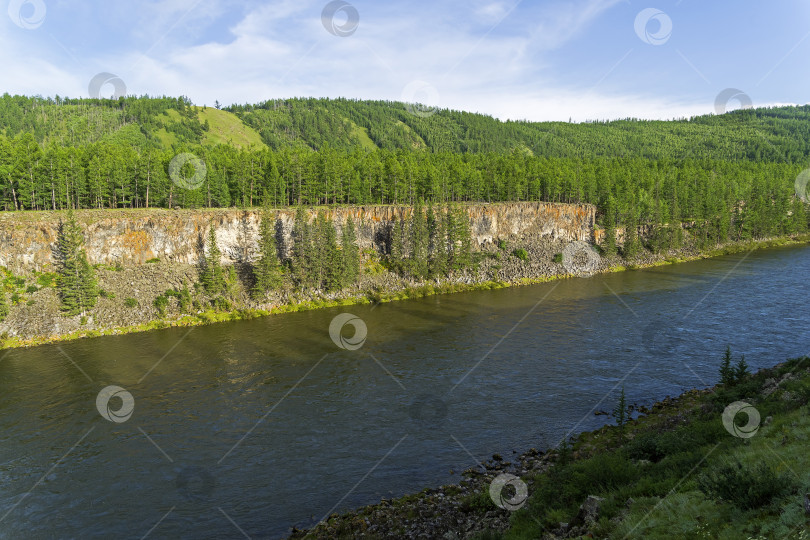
<point>378,296</point>
<point>678,471</point>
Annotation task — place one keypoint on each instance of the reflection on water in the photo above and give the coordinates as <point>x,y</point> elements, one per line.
<point>269,424</point>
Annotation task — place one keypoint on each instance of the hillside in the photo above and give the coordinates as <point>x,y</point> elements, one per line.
<point>777,134</point>
<point>729,177</point>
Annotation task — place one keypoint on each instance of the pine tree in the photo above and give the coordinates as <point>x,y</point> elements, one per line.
<point>741,369</point>
<point>420,240</point>
<point>631,244</point>
<point>610,228</point>
<point>213,277</point>
<point>267,269</point>
<point>76,283</point>
<point>462,239</point>
<point>726,371</point>
<point>350,253</point>
<point>302,249</point>
<point>3,303</point>
<point>332,257</point>
<point>396,257</point>
<point>438,242</point>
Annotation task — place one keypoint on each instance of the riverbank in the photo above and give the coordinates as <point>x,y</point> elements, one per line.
<point>127,302</point>
<point>677,469</point>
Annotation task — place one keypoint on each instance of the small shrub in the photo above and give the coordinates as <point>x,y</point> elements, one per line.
<point>46,280</point>
<point>131,303</point>
<point>106,294</point>
<point>83,320</point>
<point>153,261</point>
<point>16,299</point>
<point>31,303</point>
<point>502,245</point>
<point>521,254</point>
<point>743,486</point>
<point>161,303</point>
<point>558,258</point>
<point>31,289</point>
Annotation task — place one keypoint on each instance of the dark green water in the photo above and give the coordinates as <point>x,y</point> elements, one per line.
<point>267,424</point>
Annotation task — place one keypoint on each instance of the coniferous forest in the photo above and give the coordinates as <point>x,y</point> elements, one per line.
<point>730,177</point>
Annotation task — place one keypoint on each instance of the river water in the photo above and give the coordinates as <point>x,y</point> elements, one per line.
<point>251,428</point>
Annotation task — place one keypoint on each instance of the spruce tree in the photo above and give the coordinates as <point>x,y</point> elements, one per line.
<point>302,249</point>
<point>3,303</point>
<point>631,245</point>
<point>463,239</point>
<point>741,369</point>
<point>610,228</point>
<point>438,241</point>
<point>396,257</point>
<point>213,277</point>
<point>620,412</point>
<point>420,240</point>
<point>350,253</point>
<point>726,371</point>
<point>76,283</point>
<point>332,257</point>
<point>267,269</point>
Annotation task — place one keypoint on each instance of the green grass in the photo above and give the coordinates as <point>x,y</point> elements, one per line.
<point>227,128</point>
<point>654,482</point>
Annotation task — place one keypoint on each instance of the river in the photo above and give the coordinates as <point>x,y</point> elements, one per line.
<point>250,428</point>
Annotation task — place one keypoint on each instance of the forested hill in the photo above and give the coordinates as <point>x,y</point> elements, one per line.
<point>728,177</point>
<point>776,134</point>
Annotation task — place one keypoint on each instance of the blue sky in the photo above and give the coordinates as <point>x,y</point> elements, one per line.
<point>533,59</point>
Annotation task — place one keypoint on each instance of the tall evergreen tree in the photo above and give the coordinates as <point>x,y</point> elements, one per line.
<point>726,370</point>
<point>631,243</point>
<point>438,242</point>
<point>420,240</point>
<point>350,252</point>
<point>332,258</point>
<point>302,249</point>
<point>396,257</point>
<point>213,276</point>
<point>267,269</point>
<point>3,303</point>
<point>76,283</point>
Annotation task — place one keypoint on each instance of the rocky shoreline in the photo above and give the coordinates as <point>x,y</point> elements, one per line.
<point>128,293</point>
<point>466,510</point>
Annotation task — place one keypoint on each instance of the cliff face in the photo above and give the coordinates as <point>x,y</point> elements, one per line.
<point>132,237</point>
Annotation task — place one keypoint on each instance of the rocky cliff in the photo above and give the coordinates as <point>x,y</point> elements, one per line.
<point>132,237</point>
